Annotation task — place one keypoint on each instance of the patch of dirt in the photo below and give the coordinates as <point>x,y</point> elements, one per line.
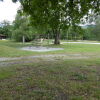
<point>82,42</point>
<point>6,61</point>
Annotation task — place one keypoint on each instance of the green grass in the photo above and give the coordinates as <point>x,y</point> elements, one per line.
<point>78,47</point>
<point>6,51</point>
<point>52,80</point>
<point>5,73</point>
<point>13,44</point>
<point>55,79</point>
<point>12,49</point>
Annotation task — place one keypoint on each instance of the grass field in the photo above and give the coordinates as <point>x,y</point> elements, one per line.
<point>50,78</point>
<point>12,49</point>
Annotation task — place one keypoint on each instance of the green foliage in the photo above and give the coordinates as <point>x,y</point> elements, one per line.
<point>93,32</point>
<point>58,15</point>
<point>5,28</point>
<point>21,27</point>
<point>75,33</point>
<point>88,34</point>
<point>96,29</point>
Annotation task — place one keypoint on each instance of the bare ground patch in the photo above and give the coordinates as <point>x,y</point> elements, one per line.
<point>4,61</point>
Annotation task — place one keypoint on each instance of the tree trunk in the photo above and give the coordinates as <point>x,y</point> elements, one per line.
<point>57,37</point>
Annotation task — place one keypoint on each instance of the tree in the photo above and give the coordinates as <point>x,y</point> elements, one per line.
<point>92,32</point>
<point>5,28</point>
<point>88,33</point>
<point>22,31</point>
<point>96,29</point>
<point>59,14</point>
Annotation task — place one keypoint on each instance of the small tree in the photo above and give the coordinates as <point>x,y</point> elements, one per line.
<point>22,31</point>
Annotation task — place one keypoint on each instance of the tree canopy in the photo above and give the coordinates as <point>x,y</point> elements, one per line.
<point>55,13</point>
<point>5,28</point>
<point>59,14</point>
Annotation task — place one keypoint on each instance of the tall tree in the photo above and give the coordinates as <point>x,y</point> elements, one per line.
<point>59,14</point>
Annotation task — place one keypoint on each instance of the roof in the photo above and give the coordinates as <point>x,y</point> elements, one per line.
<point>2,35</point>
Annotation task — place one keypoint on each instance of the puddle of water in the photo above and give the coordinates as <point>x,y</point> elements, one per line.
<point>41,49</point>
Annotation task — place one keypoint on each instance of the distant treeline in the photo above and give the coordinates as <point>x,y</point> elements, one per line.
<point>21,26</point>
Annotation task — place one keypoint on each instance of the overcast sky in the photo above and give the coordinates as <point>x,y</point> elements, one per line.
<point>8,10</point>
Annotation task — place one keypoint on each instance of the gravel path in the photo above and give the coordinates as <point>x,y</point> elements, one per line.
<point>40,49</point>
<point>4,61</point>
<point>81,42</point>
<point>68,56</point>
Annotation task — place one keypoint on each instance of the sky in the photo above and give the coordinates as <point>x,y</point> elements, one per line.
<point>8,10</point>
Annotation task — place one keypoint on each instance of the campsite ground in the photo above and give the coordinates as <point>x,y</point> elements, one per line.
<point>69,74</point>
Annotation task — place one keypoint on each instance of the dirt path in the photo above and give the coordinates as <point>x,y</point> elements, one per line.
<point>7,61</point>
<point>67,56</point>
<point>81,42</point>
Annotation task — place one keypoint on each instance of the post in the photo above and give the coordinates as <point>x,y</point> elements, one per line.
<point>23,39</point>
